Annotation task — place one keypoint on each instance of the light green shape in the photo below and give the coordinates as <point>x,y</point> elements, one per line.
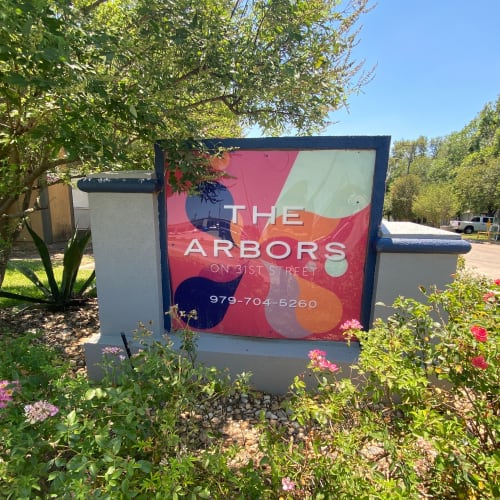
<point>336,268</point>
<point>330,183</point>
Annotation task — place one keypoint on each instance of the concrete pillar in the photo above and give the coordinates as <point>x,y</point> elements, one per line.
<point>125,241</point>
<point>410,256</point>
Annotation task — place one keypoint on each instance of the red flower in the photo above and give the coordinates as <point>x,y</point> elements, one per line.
<point>480,333</point>
<point>497,281</point>
<point>479,362</point>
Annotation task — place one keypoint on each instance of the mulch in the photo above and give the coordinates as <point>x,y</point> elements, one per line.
<point>66,331</point>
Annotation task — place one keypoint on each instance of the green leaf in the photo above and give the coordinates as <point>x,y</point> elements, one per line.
<point>87,285</point>
<point>90,394</point>
<point>73,255</point>
<point>145,466</point>
<point>47,263</point>
<point>30,274</point>
<point>71,418</point>
<point>16,79</point>
<point>24,298</point>
<point>101,440</point>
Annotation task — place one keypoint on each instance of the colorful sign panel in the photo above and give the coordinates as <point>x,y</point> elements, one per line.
<point>280,247</point>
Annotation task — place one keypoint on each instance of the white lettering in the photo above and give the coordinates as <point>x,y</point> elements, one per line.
<point>290,215</point>
<point>195,247</point>
<point>271,215</point>
<point>287,215</point>
<point>223,245</point>
<point>273,244</point>
<point>234,209</point>
<point>302,248</point>
<point>335,253</point>
<point>249,249</point>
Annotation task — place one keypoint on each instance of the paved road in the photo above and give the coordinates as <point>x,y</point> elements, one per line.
<point>484,258</point>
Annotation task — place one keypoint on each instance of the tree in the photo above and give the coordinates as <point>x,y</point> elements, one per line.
<point>90,84</point>
<point>436,204</point>
<point>477,186</point>
<point>477,141</point>
<point>405,155</point>
<point>402,194</point>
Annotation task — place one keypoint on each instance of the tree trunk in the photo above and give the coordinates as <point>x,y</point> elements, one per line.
<point>9,231</point>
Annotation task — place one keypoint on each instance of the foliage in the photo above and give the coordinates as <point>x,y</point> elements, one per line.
<point>466,163</point>
<point>86,84</point>
<point>407,157</point>
<point>56,296</point>
<point>478,181</point>
<point>418,417</point>
<point>16,282</point>
<point>436,204</point>
<point>401,196</point>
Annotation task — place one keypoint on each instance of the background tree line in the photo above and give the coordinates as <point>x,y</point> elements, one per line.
<point>433,180</point>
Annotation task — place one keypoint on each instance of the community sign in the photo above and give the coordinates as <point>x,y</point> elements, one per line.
<point>282,245</point>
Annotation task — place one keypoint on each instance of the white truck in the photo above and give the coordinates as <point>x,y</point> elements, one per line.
<point>475,224</point>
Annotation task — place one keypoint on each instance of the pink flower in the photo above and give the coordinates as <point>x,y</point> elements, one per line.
<point>7,388</point>
<point>497,281</point>
<point>479,362</point>
<point>316,354</point>
<point>324,364</point>
<point>352,324</point>
<point>319,361</point>
<point>39,411</point>
<point>113,350</point>
<point>488,296</point>
<point>287,484</point>
<point>480,333</point>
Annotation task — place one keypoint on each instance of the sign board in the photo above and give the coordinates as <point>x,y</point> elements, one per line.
<point>283,246</point>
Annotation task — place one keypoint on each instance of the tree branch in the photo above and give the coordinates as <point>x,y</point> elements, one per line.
<point>89,8</point>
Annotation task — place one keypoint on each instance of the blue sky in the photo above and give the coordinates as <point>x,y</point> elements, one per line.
<point>438,64</point>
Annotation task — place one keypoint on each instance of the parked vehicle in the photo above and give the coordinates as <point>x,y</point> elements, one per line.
<point>477,223</point>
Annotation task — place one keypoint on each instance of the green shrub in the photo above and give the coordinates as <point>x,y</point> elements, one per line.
<point>417,417</point>
<point>420,413</point>
<point>54,295</point>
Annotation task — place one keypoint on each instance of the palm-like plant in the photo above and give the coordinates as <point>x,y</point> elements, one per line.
<point>57,296</point>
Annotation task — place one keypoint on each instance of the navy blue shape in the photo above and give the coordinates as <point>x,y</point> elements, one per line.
<point>206,210</point>
<point>194,293</point>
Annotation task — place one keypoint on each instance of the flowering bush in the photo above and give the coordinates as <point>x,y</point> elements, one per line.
<point>416,417</point>
<point>320,363</point>
<point>39,411</point>
<point>7,389</point>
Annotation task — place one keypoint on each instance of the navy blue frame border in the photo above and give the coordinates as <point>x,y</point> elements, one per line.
<point>381,146</point>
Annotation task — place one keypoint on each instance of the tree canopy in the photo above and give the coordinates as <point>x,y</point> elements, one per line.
<point>458,173</point>
<point>91,84</point>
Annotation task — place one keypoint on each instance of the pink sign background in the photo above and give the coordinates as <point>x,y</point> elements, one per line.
<point>277,249</point>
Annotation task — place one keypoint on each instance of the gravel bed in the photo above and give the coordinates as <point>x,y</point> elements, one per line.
<point>233,420</point>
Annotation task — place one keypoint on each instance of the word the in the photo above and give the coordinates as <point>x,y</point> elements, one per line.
<point>288,214</point>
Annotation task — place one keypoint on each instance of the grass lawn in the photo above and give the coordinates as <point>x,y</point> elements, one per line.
<point>16,282</point>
